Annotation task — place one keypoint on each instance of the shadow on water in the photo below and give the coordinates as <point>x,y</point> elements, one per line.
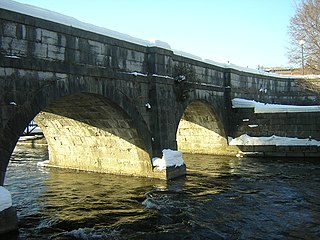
<point>220,198</point>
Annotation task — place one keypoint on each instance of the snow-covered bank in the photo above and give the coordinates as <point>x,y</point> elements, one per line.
<point>5,199</point>
<point>245,140</point>
<point>31,137</point>
<point>271,108</point>
<point>170,158</point>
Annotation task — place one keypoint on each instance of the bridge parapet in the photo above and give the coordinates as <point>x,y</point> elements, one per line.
<point>272,89</point>
<point>286,124</point>
<point>24,38</point>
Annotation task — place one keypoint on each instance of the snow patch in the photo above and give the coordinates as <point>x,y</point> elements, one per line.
<point>187,55</point>
<point>271,108</point>
<point>43,163</point>
<point>148,106</point>
<point>158,43</point>
<point>245,139</point>
<point>169,158</point>
<point>12,56</point>
<point>5,199</point>
<point>162,76</point>
<point>137,74</point>
<point>32,137</point>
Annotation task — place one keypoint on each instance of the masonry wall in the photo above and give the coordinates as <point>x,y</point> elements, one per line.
<point>42,61</point>
<point>272,89</point>
<point>23,37</point>
<point>300,125</point>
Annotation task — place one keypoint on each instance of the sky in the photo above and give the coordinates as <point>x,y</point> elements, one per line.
<point>248,33</point>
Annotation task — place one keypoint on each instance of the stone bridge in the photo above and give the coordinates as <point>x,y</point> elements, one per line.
<point>110,105</point>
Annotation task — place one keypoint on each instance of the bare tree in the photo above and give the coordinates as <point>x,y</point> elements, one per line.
<point>304,31</point>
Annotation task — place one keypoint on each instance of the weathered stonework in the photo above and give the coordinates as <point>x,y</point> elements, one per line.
<point>201,132</point>
<point>290,124</point>
<point>108,105</point>
<point>270,89</point>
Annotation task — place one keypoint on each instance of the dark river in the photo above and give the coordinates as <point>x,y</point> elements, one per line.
<point>220,198</point>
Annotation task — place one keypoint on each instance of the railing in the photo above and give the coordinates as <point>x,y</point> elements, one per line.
<point>32,129</point>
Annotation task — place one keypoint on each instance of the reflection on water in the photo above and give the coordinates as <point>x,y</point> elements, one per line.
<point>220,198</point>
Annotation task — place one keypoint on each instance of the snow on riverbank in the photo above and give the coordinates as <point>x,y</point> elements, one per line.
<point>272,140</point>
<point>5,199</point>
<point>170,158</point>
<point>271,108</point>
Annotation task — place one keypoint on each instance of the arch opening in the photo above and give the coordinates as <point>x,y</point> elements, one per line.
<point>89,132</point>
<point>200,131</point>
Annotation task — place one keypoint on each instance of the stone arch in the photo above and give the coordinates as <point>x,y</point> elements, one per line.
<point>201,131</point>
<point>115,100</point>
<point>89,132</point>
<point>20,117</point>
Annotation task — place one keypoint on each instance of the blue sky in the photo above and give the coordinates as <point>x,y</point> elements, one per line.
<point>244,32</point>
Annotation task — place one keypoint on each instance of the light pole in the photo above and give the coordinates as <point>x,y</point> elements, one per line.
<point>302,42</point>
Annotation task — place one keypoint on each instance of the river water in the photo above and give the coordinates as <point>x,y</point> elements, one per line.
<point>220,198</point>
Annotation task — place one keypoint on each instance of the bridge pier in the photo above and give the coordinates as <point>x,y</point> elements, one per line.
<point>8,220</point>
<point>8,214</point>
<point>2,177</point>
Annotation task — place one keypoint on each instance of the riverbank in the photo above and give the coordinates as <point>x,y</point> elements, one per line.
<point>33,141</point>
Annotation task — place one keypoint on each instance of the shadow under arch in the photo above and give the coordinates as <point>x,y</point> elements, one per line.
<point>201,131</point>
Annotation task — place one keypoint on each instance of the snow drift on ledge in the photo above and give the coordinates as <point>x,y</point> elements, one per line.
<point>246,140</point>
<point>271,108</point>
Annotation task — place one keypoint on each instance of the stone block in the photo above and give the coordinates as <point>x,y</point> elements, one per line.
<point>49,37</point>
<point>309,149</point>
<point>170,172</point>
<point>275,154</point>
<point>295,149</point>
<point>175,172</point>
<point>265,148</point>
<point>5,44</point>
<point>9,29</point>
<point>40,50</point>
<point>245,148</point>
<point>8,220</point>
<point>8,72</point>
<point>134,66</point>
<point>295,154</point>
<point>96,47</point>
<point>312,154</point>
<point>45,75</point>
<point>56,53</point>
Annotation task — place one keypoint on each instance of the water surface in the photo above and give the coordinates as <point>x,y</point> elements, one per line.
<point>220,198</point>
